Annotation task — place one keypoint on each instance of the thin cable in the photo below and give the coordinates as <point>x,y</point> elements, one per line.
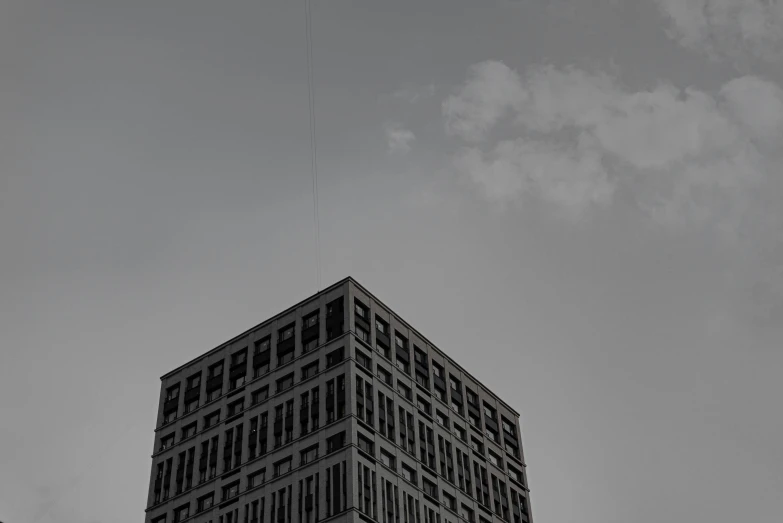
<point>313,149</point>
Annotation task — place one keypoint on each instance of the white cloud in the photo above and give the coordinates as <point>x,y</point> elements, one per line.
<point>689,159</point>
<point>399,139</point>
<point>727,27</point>
<point>492,90</point>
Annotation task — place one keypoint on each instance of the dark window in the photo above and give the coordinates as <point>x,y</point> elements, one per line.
<point>206,502</point>
<point>403,365</point>
<point>189,430</point>
<point>182,512</point>
<point>309,455</point>
<point>409,474</point>
<point>172,392</point>
<point>191,405</point>
<point>194,381</point>
<point>422,380</point>
<point>472,397</point>
<point>216,370</point>
<point>363,360</point>
<point>477,446</point>
<point>229,491</point>
<point>335,357</point>
<point>430,488</point>
<point>310,370</point>
<point>460,432</point>
<point>420,356</point>
<point>167,441</point>
<point>423,405</point>
<point>211,419</point>
<point>236,407</point>
<point>361,310</point>
<point>437,370</point>
<point>381,326</point>
<point>286,382</point>
<point>307,346</point>
<point>335,442</point>
<point>362,334</point>
<point>384,375</point>
<point>256,478</point>
<point>286,333</point>
<point>310,320</point>
<point>450,500</point>
<point>404,390</point>
<point>388,460</point>
<point>366,444</point>
<point>442,419</point>
<point>283,467</point>
<point>239,358</point>
<point>259,395</point>
<point>494,459</point>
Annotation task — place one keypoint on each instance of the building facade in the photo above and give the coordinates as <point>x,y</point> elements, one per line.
<point>338,410</point>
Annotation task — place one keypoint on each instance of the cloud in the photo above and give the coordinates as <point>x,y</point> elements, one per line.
<point>492,90</point>
<point>398,139</point>
<point>727,27</point>
<point>688,159</point>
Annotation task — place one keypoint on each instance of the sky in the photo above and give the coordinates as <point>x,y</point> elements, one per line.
<point>579,201</point>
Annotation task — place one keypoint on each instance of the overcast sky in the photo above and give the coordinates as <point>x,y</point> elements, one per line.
<point>581,201</point>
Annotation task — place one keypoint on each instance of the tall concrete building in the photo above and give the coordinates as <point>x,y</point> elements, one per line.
<point>334,410</point>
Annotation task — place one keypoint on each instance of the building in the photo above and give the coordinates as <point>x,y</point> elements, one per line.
<point>335,409</point>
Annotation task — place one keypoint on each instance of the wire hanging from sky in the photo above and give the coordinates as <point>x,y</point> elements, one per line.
<point>313,150</point>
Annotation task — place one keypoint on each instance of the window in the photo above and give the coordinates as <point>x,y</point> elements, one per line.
<point>236,407</point>
<point>489,412</point>
<point>472,397</point>
<point>256,478</point>
<point>335,442</point>
<point>260,395</point>
<point>366,444</point>
<point>160,519</point>
<point>437,370</point>
<point>404,390</point>
<point>262,345</point>
<point>403,365</point>
<point>363,360</point>
<point>167,441</point>
<point>214,394</point>
<point>172,393</point>
<point>206,502</point>
<point>420,356</point>
<point>189,431</point>
<point>309,455</point>
<point>239,358</point>
<point>429,488</point>
<point>283,467</point>
<point>516,475</point>
<point>362,334</point>
<point>216,370</point>
<point>286,382</point>
<point>409,474</point>
<point>467,513</point>
<point>229,491</point>
<point>442,419</point>
<point>361,310</point>
<point>477,446</point>
<point>384,375</point>
<point>491,434</point>
<point>508,427</point>
<point>310,320</point>
<point>449,500</point>
<point>455,384</point>
<point>474,420</point>
<point>191,405</point>
<point>388,460</point>
<point>494,459</point>
<point>400,341</point>
<point>309,345</point>
<point>460,432</point>
<point>422,380</point>
<point>335,357</point>
<point>439,394</point>
<point>168,417</point>
<point>286,333</point>
<point>182,512</point>
<point>423,405</point>
<point>211,419</point>
<point>310,370</point>
<point>381,326</point>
